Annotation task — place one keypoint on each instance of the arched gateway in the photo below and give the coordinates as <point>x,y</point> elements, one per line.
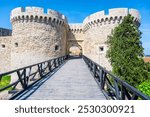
<point>75,49</point>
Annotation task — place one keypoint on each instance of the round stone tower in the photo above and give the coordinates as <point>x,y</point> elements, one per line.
<point>36,36</point>
<point>97,27</point>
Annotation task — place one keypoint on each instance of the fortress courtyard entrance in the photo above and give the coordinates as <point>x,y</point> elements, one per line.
<point>75,50</point>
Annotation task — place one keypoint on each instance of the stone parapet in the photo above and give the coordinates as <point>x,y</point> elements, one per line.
<point>36,14</point>
<point>114,16</point>
<point>76,27</point>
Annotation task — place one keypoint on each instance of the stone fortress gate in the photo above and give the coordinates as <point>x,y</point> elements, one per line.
<point>38,36</point>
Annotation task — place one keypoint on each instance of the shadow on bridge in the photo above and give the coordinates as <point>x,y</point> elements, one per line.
<point>75,56</point>
<point>63,78</point>
<point>29,91</point>
<point>30,76</point>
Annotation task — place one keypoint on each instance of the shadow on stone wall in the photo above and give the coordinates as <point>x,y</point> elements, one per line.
<point>74,48</point>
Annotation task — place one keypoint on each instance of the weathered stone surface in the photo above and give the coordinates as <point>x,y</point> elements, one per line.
<point>38,36</point>
<point>75,39</point>
<point>96,29</point>
<point>5,50</point>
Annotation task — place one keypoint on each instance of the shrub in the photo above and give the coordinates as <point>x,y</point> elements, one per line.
<point>145,88</point>
<point>125,52</point>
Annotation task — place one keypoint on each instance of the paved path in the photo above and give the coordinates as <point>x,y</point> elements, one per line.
<point>73,81</point>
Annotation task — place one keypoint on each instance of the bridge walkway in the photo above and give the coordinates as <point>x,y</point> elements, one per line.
<point>73,81</point>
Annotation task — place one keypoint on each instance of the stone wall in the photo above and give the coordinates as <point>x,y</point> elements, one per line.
<point>37,36</point>
<point>5,46</point>
<point>75,37</point>
<point>97,27</point>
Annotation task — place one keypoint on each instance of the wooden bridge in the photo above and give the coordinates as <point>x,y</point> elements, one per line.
<point>68,79</point>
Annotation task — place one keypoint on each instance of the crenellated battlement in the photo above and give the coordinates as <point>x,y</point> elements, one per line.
<point>38,35</point>
<point>114,16</point>
<point>36,14</point>
<point>76,28</point>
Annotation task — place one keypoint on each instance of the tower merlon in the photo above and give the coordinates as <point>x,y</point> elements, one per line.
<point>76,27</point>
<point>114,16</point>
<point>37,13</point>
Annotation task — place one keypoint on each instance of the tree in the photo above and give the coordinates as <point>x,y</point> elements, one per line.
<point>125,52</point>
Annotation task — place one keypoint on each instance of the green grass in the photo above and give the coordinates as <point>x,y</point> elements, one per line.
<point>5,81</point>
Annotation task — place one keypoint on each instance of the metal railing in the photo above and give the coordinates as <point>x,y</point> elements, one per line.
<point>27,76</point>
<point>112,86</point>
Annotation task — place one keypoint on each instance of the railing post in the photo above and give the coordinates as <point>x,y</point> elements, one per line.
<point>61,60</point>
<point>90,65</point>
<point>122,93</point>
<point>116,89</point>
<point>25,79</point>
<point>22,78</point>
<point>58,59</point>
<point>67,57</point>
<point>102,79</point>
<point>40,70</point>
<point>94,70</point>
<point>57,62</point>
<point>49,66</point>
<point>54,63</point>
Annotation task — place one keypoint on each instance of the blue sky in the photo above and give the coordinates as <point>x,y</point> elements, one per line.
<point>77,10</point>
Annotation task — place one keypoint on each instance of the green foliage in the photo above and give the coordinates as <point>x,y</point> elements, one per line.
<point>147,68</point>
<point>5,81</point>
<point>126,52</point>
<point>145,88</point>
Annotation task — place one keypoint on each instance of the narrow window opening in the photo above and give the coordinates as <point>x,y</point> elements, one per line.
<point>101,49</point>
<point>16,44</point>
<point>56,47</point>
<point>3,46</point>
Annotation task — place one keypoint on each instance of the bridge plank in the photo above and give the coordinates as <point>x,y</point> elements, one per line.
<point>72,81</point>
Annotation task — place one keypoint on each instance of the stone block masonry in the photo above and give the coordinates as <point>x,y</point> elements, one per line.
<point>5,51</point>
<point>97,27</point>
<point>38,36</point>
